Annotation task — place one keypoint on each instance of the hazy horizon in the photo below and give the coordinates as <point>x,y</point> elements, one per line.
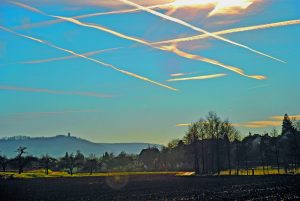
<point>249,76</point>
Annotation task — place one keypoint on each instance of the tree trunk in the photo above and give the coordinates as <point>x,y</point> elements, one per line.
<point>277,159</point>
<point>228,157</point>
<point>202,153</point>
<point>218,156</point>
<point>196,160</point>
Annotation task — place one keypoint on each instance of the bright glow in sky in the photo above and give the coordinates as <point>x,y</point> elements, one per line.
<point>110,78</point>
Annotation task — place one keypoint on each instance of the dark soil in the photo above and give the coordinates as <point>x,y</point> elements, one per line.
<point>152,187</point>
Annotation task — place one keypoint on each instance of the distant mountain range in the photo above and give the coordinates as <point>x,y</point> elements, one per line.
<point>58,145</point>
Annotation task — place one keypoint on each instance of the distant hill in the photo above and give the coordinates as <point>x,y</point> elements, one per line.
<point>58,145</point>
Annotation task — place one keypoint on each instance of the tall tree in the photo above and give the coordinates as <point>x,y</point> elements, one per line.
<point>237,142</point>
<point>214,130</point>
<point>202,132</point>
<point>262,150</point>
<point>229,132</point>
<point>192,138</point>
<point>274,135</point>
<point>290,130</point>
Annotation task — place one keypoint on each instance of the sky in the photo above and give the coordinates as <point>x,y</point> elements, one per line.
<point>118,76</point>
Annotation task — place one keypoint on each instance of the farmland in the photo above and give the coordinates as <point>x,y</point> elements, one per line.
<point>152,187</point>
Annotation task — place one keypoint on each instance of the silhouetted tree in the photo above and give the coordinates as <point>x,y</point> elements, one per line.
<point>262,148</point>
<point>47,162</point>
<point>237,143</point>
<point>149,157</point>
<point>91,163</point>
<point>192,138</point>
<point>3,162</point>
<point>289,130</point>
<point>20,159</point>
<point>274,135</point>
<point>229,133</point>
<point>202,129</point>
<point>70,161</point>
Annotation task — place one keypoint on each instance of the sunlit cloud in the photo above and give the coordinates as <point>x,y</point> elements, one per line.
<point>186,24</point>
<point>228,31</point>
<point>261,124</point>
<point>49,91</point>
<point>272,121</point>
<point>88,58</point>
<point>170,48</point>
<point>203,77</point>
<point>219,7</point>
<point>186,125</point>
<point>180,74</point>
<point>292,117</point>
<point>182,125</point>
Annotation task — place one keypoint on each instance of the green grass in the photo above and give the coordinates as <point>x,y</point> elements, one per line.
<point>259,171</point>
<point>41,174</point>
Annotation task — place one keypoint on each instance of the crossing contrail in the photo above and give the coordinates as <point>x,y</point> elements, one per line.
<point>61,58</point>
<point>179,21</point>
<point>211,61</point>
<point>50,22</point>
<point>172,49</point>
<point>87,58</point>
<point>228,31</point>
<point>202,77</point>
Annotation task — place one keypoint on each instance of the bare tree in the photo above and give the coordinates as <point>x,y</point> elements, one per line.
<point>262,152</point>
<point>192,138</point>
<point>47,162</point>
<point>202,130</point>
<point>72,161</point>
<point>237,142</point>
<point>274,135</point>
<point>91,163</point>
<point>20,159</point>
<point>214,130</point>
<point>3,162</point>
<point>229,132</point>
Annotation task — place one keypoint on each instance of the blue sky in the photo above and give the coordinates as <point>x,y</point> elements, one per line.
<point>95,102</point>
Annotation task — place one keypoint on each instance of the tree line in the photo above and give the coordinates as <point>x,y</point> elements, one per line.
<point>209,146</point>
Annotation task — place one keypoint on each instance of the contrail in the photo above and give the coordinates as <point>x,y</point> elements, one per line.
<point>164,48</point>
<point>211,61</point>
<point>203,77</point>
<point>168,48</point>
<point>228,31</point>
<point>62,58</point>
<point>48,91</point>
<point>88,58</point>
<point>180,74</point>
<point>179,21</point>
<point>50,22</point>
<point>30,114</point>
